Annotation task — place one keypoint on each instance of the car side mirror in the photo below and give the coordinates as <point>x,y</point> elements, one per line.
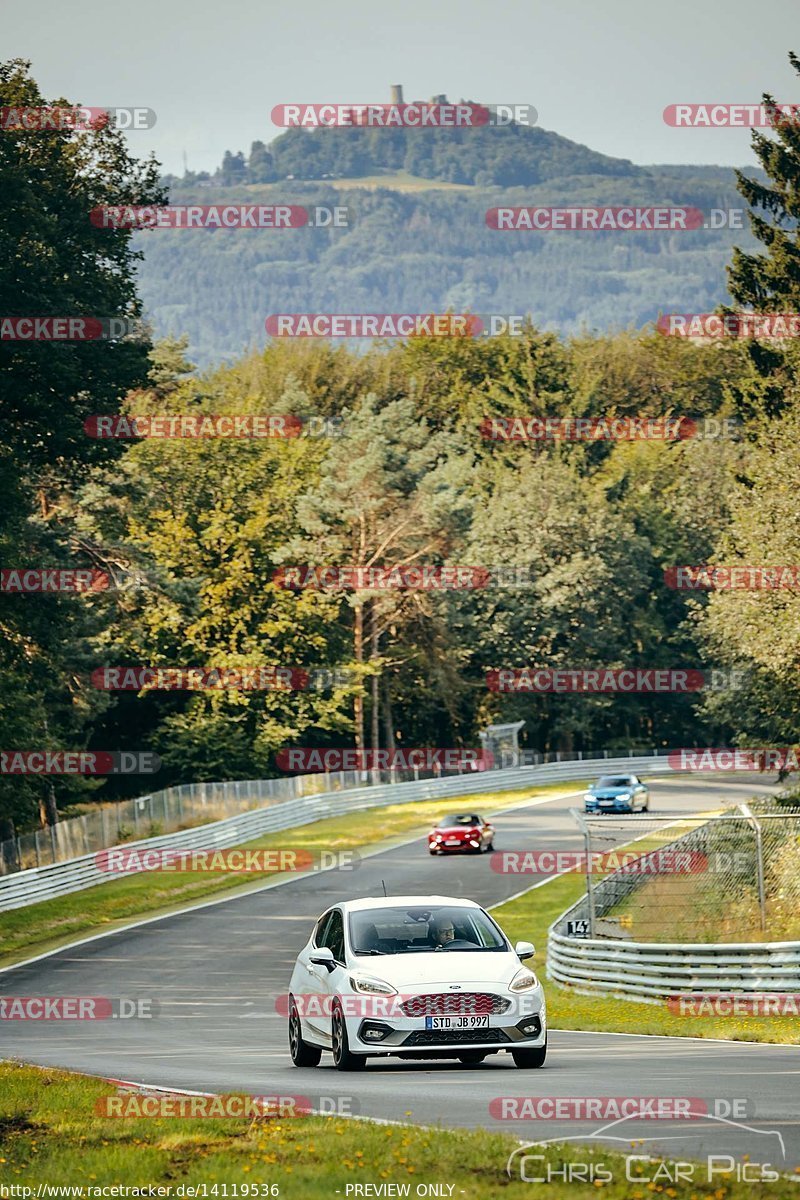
<point>323,957</point>
<point>524,950</point>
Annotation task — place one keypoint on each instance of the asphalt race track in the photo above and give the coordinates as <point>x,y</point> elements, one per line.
<point>217,972</point>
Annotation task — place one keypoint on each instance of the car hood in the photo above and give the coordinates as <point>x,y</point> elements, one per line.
<point>452,829</point>
<point>611,793</point>
<point>421,972</point>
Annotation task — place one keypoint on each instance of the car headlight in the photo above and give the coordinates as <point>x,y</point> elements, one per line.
<point>368,985</point>
<point>588,796</point>
<point>624,796</point>
<point>523,980</point>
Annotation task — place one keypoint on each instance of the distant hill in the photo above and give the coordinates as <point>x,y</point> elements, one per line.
<point>423,248</point>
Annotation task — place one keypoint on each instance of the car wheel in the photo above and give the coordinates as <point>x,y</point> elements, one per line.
<point>529,1058</point>
<point>343,1060</point>
<point>433,852</point>
<point>490,847</point>
<point>471,1058</point>
<point>303,1055</point>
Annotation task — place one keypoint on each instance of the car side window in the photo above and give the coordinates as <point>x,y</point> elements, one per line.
<point>334,936</point>
<point>318,937</point>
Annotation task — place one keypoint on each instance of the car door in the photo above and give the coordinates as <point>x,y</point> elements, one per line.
<point>325,982</point>
<point>307,980</point>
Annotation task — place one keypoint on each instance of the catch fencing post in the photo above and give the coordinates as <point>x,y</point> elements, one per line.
<point>587,839</point>
<point>762,898</point>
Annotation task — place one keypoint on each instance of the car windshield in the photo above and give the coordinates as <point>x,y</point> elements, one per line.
<point>614,781</point>
<point>465,819</point>
<point>423,930</point>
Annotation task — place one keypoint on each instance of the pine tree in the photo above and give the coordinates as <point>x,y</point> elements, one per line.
<point>770,282</point>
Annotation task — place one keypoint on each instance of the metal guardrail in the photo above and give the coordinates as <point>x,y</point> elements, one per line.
<point>657,970</point>
<point>60,878</point>
<point>184,805</point>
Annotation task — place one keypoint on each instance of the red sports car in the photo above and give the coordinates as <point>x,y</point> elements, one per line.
<point>461,832</point>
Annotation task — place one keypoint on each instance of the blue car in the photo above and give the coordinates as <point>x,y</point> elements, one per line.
<point>617,794</point>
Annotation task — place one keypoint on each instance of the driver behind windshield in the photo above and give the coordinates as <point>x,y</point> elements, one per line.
<point>443,932</point>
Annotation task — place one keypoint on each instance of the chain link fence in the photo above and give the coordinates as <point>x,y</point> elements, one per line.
<point>729,877</point>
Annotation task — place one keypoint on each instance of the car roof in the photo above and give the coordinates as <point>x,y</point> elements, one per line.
<point>402,902</point>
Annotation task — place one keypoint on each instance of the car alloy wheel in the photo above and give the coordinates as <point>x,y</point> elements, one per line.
<point>303,1055</point>
<point>343,1060</point>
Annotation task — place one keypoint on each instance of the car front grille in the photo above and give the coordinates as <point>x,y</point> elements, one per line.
<point>454,1037</point>
<point>447,1004</point>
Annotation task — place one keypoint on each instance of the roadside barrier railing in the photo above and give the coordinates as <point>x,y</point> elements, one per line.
<point>275,813</point>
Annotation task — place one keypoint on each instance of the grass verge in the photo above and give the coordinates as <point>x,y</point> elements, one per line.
<point>52,923</point>
<point>50,1134</point>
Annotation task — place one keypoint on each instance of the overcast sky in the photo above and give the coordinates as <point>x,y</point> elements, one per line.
<point>598,71</point>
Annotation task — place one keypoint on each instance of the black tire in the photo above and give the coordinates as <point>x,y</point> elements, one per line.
<point>528,1059</point>
<point>303,1055</point>
<point>343,1060</point>
<point>490,848</point>
<point>471,1058</point>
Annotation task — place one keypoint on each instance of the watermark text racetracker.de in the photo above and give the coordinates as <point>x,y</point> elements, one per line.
<point>225,1105</point>
<point>735,325</point>
<point>78,1008</point>
<point>739,577</point>
<point>423,758</point>
<point>242,679</point>
<point>220,216</point>
<point>605,428</point>
<point>79,762</point>
<point>124,860</point>
<point>401,577</point>
<point>457,1008</point>
<point>736,1004</point>
<point>50,118</point>
<point>614,680</point>
<point>210,425</point>
<point>610,1108</point>
<point>70,329</point>
<point>731,116</point>
<point>599,862</point>
<point>413,115</point>
<point>763,758</point>
<point>394,325</point>
<point>580,219</point>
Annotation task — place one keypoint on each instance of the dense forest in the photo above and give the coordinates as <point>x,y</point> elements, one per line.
<point>404,475</point>
<point>417,239</point>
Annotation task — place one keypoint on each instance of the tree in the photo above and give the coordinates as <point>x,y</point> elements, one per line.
<point>391,493</point>
<point>55,262</point>
<point>760,629</point>
<point>770,281</point>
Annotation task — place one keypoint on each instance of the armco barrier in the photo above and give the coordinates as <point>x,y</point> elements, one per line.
<point>61,878</point>
<point>655,970</point>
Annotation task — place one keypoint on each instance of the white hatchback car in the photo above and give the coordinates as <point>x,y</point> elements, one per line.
<point>415,977</point>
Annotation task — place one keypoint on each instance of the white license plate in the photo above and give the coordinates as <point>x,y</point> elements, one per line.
<point>453,842</point>
<point>473,1022</point>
